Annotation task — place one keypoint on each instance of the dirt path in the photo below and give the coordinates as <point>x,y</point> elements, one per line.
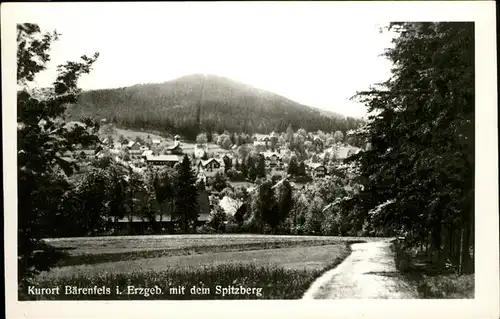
<point>369,272</point>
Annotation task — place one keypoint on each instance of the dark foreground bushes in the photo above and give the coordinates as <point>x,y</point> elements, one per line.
<point>432,281</point>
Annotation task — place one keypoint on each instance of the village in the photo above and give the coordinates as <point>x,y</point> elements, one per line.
<point>333,158</point>
<point>300,158</point>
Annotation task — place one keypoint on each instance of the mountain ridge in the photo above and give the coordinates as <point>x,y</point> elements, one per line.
<point>207,102</point>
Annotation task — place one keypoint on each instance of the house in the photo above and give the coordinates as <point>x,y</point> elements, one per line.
<point>163,160</point>
<point>155,142</point>
<point>174,149</point>
<point>343,152</point>
<point>210,165</point>
<point>146,153</point>
<point>272,159</point>
<point>201,176</point>
<point>317,169</point>
<point>85,154</point>
<point>133,145</point>
<point>135,153</point>
<point>261,139</point>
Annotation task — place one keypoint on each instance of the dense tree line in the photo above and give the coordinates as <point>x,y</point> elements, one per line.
<point>275,206</point>
<point>188,107</point>
<point>418,176</point>
<point>104,191</point>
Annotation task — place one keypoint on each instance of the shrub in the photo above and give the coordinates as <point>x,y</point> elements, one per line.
<point>218,182</point>
<point>218,220</point>
<point>205,229</point>
<point>235,175</point>
<point>302,179</point>
<point>233,227</point>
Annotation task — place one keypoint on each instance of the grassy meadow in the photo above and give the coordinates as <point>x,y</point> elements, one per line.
<point>277,267</point>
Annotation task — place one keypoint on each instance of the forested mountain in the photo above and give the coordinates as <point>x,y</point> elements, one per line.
<point>196,103</point>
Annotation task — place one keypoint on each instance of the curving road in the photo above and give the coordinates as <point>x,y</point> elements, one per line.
<point>368,273</point>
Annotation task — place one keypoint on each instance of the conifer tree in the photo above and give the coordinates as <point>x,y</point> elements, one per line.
<point>422,141</point>
<point>261,167</point>
<point>186,201</point>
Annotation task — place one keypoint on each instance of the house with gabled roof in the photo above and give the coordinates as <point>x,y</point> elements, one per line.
<point>130,144</point>
<point>316,169</point>
<point>272,159</point>
<point>135,153</point>
<point>134,145</point>
<point>210,165</point>
<point>261,139</point>
<point>174,149</point>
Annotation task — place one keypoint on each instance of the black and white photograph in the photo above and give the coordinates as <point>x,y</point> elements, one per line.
<point>246,151</point>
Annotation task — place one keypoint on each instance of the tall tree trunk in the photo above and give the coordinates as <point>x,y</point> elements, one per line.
<point>461,254</point>
<point>466,260</point>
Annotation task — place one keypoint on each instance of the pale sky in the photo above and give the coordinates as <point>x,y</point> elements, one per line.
<point>317,54</point>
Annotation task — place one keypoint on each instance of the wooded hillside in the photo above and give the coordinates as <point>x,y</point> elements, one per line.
<point>196,103</point>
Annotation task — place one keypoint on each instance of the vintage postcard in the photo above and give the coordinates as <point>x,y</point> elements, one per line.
<point>300,159</point>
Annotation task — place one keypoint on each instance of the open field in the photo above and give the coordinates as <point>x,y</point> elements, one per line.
<point>226,281</point>
<point>120,244</point>
<point>132,135</point>
<point>272,273</point>
<point>137,253</point>
<point>283,267</point>
<point>309,258</point>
